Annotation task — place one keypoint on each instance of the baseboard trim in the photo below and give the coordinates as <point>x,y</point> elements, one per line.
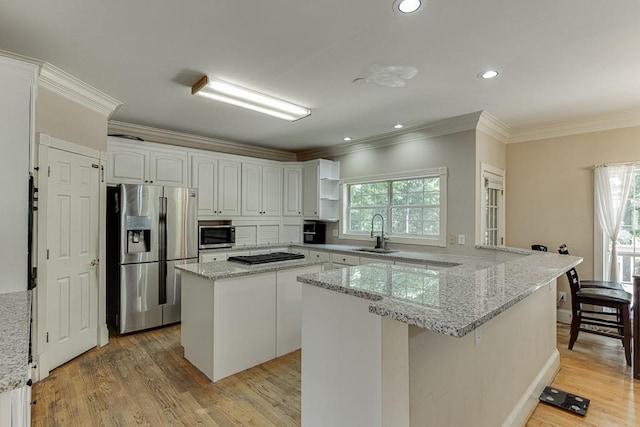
<point>527,403</point>
<point>564,316</point>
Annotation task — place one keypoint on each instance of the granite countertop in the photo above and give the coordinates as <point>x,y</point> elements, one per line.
<point>15,315</point>
<point>451,301</point>
<point>226,269</point>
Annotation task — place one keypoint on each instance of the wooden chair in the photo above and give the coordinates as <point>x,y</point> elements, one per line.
<point>564,250</point>
<point>616,324</point>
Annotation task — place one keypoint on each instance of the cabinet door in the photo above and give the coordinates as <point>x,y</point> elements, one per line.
<point>310,193</point>
<point>168,168</point>
<point>229,187</point>
<point>271,190</point>
<point>292,194</point>
<point>204,177</point>
<point>127,166</point>
<point>244,319</point>
<point>289,309</point>
<point>251,189</point>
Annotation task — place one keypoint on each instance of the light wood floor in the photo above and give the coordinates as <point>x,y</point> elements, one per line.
<point>142,379</point>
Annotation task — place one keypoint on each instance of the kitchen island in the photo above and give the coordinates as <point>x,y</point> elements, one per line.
<point>15,327</point>
<point>236,316</point>
<point>472,344</point>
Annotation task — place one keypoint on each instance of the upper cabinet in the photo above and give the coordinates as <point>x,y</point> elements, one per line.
<point>292,191</point>
<point>129,164</point>
<point>321,190</point>
<point>218,184</point>
<point>261,189</point>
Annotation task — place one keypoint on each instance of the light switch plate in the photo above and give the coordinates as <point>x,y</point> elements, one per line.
<point>461,239</point>
<point>335,233</point>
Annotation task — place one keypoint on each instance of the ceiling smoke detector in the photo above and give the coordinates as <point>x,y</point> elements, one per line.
<point>392,75</point>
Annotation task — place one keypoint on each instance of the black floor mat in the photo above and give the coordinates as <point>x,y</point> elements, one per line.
<point>563,400</point>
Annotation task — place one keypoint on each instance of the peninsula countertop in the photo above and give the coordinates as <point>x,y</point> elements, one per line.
<point>226,269</point>
<point>452,301</point>
<point>15,315</point>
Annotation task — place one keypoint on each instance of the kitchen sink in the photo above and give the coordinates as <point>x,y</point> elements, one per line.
<point>376,250</point>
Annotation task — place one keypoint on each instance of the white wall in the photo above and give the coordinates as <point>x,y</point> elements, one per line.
<point>412,151</point>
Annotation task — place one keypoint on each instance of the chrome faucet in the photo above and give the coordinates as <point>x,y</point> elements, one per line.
<point>381,240</point>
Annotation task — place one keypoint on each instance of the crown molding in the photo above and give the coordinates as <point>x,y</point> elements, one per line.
<point>63,83</point>
<point>599,123</point>
<point>441,127</point>
<point>494,127</point>
<point>200,142</point>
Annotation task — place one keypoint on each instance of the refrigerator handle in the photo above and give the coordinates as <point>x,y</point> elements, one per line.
<point>162,229</point>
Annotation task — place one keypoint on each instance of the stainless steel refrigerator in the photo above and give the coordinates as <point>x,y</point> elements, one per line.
<point>150,229</point>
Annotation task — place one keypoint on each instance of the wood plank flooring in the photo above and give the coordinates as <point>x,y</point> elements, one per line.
<point>142,379</point>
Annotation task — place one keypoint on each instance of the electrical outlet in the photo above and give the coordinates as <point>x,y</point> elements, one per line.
<point>335,233</point>
<point>452,239</point>
<point>478,335</point>
<point>563,297</point>
<point>461,239</point>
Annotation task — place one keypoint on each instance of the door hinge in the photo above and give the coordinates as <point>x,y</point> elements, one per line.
<point>47,253</point>
<point>502,240</point>
<point>48,170</point>
<point>47,336</point>
<point>102,173</point>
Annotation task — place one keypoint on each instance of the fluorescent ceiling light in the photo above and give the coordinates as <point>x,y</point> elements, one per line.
<point>407,6</point>
<point>222,91</point>
<point>346,138</point>
<point>398,126</point>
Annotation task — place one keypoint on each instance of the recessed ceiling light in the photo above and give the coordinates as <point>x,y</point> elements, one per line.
<point>398,126</point>
<point>406,6</point>
<point>347,138</point>
<point>489,74</point>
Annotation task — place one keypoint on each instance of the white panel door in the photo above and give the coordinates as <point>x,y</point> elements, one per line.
<point>292,193</point>
<point>204,177</point>
<point>310,191</point>
<point>271,190</point>
<point>229,187</point>
<point>251,189</point>
<point>167,168</point>
<point>127,166</point>
<point>72,245</point>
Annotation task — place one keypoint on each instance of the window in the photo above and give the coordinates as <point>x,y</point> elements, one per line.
<point>628,242</point>
<point>412,206</point>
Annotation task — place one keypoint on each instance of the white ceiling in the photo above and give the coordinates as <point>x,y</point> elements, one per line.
<point>559,60</point>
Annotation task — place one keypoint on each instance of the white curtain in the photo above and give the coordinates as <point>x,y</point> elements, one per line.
<point>612,191</point>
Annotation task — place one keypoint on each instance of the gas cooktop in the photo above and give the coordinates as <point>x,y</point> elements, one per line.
<point>265,258</point>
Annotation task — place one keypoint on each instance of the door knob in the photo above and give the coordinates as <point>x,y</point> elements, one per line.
<point>95,262</point>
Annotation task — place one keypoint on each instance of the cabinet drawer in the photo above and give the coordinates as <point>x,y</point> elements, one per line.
<point>345,259</point>
<point>320,256</point>
<point>213,257</point>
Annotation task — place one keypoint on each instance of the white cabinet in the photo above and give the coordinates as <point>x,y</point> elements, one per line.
<point>261,190</point>
<point>268,234</point>
<point>292,233</point>
<point>292,191</point>
<point>310,191</point>
<point>15,407</point>
<point>213,256</point>
<point>145,164</point>
<point>17,88</point>
<point>367,260</point>
<point>218,184</point>
<point>341,261</point>
<point>321,190</point>
<point>289,309</point>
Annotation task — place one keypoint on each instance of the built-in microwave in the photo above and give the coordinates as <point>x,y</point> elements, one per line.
<point>216,236</point>
<point>313,232</point>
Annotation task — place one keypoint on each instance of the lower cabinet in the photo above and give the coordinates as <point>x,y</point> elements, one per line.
<point>212,257</point>
<point>289,310</point>
<point>15,407</point>
<point>230,325</point>
<point>244,323</point>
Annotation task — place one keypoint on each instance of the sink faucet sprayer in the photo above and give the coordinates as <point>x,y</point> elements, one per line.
<point>381,240</point>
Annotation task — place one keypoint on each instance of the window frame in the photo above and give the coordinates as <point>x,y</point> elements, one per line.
<point>440,172</point>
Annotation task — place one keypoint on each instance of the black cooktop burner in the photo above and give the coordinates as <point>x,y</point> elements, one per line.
<point>265,258</point>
